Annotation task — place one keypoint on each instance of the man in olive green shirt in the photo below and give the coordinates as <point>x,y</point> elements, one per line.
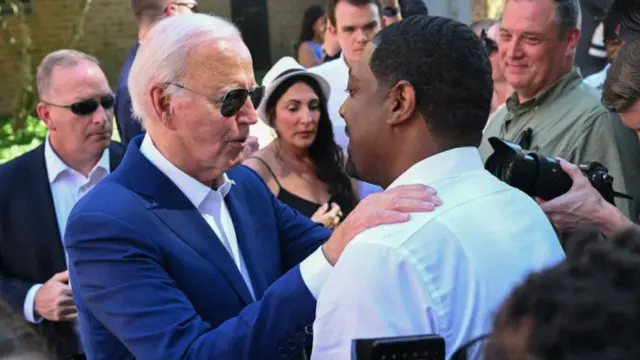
<point>552,111</point>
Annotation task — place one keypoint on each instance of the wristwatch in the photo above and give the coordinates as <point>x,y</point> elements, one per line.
<point>390,11</point>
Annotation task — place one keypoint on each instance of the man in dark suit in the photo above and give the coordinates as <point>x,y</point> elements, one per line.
<point>39,188</point>
<point>147,13</point>
<point>182,253</point>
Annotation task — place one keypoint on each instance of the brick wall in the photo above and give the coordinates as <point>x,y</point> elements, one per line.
<point>111,31</point>
<point>478,9</point>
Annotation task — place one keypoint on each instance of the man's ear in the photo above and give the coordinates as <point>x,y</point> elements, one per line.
<point>574,38</point>
<point>44,113</point>
<point>332,29</point>
<point>171,10</point>
<point>403,103</point>
<point>161,106</point>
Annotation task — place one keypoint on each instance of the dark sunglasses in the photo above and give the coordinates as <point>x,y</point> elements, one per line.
<point>192,6</point>
<point>87,107</point>
<point>233,101</point>
<point>489,44</point>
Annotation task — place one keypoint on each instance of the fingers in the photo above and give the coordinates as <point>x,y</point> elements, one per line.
<point>389,217</point>
<point>335,209</point>
<point>410,205</point>
<point>66,291</point>
<point>572,170</point>
<point>412,188</point>
<point>415,192</point>
<point>61,277</point>
<point>323,209</point>
<point>68,313</point>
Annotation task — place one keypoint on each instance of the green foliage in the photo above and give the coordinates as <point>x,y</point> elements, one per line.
<point>15,143</point>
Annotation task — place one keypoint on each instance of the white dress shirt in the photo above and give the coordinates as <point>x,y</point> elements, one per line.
<point>444,272</point>
<point>336,72</point>
<point>67,187</point>
<point>211,205</point>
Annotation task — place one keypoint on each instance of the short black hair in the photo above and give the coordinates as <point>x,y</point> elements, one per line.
<point>449,68</point>
<point>413,7</point>
<point>610,25</point>
<point>583,308</point>
<point>331,7</point>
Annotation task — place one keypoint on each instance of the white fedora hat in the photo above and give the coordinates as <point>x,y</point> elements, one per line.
<point>284,69</point>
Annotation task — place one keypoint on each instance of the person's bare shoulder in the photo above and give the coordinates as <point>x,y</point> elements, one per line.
<point>261,161</point>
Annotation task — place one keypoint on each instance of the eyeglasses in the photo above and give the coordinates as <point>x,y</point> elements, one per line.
<point>233,100</point>
<point>489,44</point>
<point>193,6</point>
<point>87,107</point>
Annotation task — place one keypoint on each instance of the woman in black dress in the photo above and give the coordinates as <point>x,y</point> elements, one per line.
<point>303,166</point>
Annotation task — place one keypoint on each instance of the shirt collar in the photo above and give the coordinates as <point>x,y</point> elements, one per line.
<point>193,189</point>
<point>343,63</point>
<point>567,82</point>
<point>445,165</point>
<point>56,166</point>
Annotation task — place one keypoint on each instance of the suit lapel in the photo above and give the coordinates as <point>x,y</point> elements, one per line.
<point>44,211</point>
<point>116,152</point>
<point>171,206</point>
<point>243,225</point>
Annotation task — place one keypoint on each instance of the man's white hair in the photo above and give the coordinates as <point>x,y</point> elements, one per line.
<point>163,54</point>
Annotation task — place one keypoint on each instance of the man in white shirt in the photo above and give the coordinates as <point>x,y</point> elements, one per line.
<point>444,272</point>
<point>354,23</point>
<point>39,189</point>
<point>192,257</point>
<point>612,43</point>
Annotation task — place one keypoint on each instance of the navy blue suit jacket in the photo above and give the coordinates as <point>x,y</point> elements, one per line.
<point>128,127</point>
<point>152,281</point>
<point>31,250</point>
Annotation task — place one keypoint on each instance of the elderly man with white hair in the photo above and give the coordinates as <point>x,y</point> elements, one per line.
<point>182,254</point>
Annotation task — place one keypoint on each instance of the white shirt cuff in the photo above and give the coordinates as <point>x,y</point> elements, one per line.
<point>29,305</point>
<point>315,271</point>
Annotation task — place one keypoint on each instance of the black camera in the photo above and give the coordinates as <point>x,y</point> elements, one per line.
<point>541,176</point>
<point>419,347</point>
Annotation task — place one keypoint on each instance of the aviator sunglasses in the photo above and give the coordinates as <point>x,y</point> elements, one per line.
<point>87,107</point>
<point>233,100</point>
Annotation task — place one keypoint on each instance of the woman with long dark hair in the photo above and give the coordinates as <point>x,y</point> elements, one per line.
<point>303,166</point>
<point>311,41</point>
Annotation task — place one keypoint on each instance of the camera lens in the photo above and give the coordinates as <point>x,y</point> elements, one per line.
<point>535,175</point>
<point>551,181</point>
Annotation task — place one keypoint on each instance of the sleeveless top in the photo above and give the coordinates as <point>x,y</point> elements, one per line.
<point>304,206</point>
<point>317,48</point>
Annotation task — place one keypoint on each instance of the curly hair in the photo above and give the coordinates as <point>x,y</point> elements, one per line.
<point>438,56</point>
<point>584,308</point>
